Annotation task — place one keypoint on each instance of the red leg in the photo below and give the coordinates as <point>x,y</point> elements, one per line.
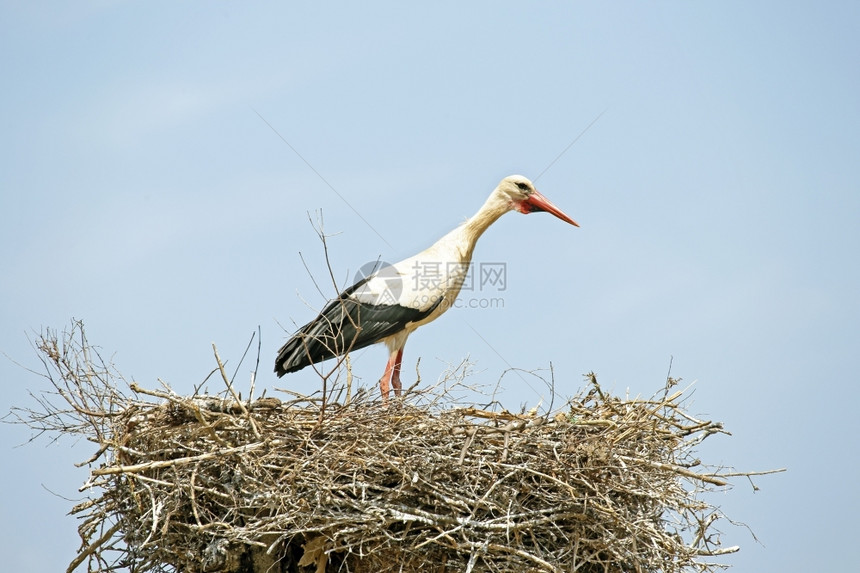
<point>383,382</point>
<point>395,376</point>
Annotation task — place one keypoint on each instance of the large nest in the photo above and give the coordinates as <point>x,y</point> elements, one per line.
<point>345,483</point>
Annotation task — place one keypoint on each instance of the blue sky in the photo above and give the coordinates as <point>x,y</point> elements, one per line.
<point>718,194</point>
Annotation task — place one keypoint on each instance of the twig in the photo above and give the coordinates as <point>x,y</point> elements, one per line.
<point>217,454</point>
<point>233,393</point>
<point>93,547</point>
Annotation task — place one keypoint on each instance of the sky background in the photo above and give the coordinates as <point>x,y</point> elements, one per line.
<point>718,196</point>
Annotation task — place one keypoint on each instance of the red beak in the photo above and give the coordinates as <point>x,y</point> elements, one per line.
<point>537,202</point>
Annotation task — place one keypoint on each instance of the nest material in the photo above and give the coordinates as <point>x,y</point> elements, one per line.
<point>204,484</point>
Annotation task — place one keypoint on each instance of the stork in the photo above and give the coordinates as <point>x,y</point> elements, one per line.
<point>390,303</point>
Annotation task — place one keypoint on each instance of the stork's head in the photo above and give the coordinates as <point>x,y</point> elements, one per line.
<point>522,196</point>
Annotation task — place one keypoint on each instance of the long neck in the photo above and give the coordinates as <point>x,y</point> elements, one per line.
<point>472,229</point>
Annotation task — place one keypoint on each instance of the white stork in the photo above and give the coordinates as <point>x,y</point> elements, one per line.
<point>389,304</point>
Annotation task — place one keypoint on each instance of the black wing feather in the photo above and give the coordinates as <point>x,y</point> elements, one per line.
<point>345,324</point>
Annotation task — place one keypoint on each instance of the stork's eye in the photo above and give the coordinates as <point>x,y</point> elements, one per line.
<point>523,186</point>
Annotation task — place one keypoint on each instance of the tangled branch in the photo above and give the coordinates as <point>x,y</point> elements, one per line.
<point>214,483</point>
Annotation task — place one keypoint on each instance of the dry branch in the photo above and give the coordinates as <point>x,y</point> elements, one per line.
<point>212,483</point>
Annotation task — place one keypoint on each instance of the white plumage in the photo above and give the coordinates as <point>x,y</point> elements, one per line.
<point>393,301</point>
